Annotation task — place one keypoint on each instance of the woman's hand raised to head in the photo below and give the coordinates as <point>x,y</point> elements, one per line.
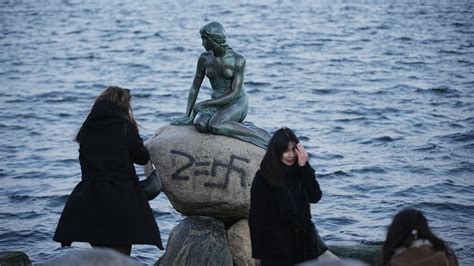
<point>302,155</point>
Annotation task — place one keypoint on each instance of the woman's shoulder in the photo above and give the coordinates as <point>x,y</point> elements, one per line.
<point>260,181</point>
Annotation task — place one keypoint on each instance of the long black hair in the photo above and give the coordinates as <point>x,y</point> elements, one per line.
<point>406,227</point>
<point>271,166</point>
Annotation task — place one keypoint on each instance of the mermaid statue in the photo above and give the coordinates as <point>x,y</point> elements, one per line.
<point>225,112</point>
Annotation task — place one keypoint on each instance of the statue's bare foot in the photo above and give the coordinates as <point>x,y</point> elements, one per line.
<point>181,121</point>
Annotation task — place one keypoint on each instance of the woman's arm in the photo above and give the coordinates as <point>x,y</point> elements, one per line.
<point>138,151</point>
<point>308,176</point>
<point>310,183</point>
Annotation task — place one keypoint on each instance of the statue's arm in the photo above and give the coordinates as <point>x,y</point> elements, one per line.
<point>197,82</point>
<point>238,81</point>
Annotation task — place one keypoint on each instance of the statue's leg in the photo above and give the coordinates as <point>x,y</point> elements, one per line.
<point>227,122</point>
<point>201,122</point>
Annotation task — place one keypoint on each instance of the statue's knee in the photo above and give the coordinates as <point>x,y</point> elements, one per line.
<point>201,127</point>
<point>214,128</point>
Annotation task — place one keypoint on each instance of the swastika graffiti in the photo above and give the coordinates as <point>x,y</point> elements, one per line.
<point>201,168</point>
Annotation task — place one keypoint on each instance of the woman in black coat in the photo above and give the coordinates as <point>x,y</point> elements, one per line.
<point>108,208</point>
<point>281,229</point>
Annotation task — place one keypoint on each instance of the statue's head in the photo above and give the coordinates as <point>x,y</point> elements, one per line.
<point>215,32</point>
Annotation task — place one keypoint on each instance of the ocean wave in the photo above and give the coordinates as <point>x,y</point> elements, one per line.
<point>355,119</point>
<point>381,140</point>
<point>329,156</point>
<point>458,137</point>
<point>372,169</point>
<point>21,215</point>
<point>462,167</point>
<point>324,91</point>
<point>439,91</point>
<point>37,233</point>
<point>335,174</point>
<point>256,84</point>
<point>445,206</point>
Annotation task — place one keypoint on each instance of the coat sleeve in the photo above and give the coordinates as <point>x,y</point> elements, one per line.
<point>138,152</point>
<point>258,198</point>
<point>311,184</point>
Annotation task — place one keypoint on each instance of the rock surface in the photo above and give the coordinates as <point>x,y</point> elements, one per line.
<point>370,254</point>
<point>240,244</point>
<point>205,174</point>
<point>93,257</point>
<point>19,258</point>
<point>197,240</point>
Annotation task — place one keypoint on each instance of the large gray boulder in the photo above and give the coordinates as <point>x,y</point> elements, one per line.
<point>197,240</point>
<point>205,174</point>
<point>240,244</point>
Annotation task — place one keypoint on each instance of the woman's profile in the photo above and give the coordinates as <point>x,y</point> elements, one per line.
<point>410,241</point>
<point>225,112</point>
<point>108,208</point>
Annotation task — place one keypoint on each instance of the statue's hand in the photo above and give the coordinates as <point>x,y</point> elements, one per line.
<point>181,121</point>
<point>199,107</point>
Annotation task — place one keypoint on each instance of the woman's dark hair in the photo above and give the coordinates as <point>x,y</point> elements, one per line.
<point>271,166</point>
<point>119,96</point>
<point>406,227</point>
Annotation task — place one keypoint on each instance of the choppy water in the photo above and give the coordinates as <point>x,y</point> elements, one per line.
<point>380,93</point>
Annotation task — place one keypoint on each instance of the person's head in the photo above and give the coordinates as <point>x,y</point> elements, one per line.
<point>122,98</point>
<point>212,34</point>
<point>407,226</point>
<point>119,96</point>
<point>280,152</point>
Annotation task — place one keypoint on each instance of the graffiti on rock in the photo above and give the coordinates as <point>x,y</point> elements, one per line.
<point>211,168</point>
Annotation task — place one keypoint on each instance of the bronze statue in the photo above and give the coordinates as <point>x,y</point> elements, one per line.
<point>225,112</point>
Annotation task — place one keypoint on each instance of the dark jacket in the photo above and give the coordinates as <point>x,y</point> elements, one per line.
<point>423,256</point>
<point>280,218</point>
<point>108,207</point>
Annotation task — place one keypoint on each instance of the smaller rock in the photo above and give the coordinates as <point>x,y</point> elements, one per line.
<point>240,244</point>
<point>19,258</point>
<point>93,257</point>
<point>370,254</point>
<point>342,262</point>
<point>197,240</point>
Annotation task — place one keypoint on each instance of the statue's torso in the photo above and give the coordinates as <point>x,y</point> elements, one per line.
<point>221,72</point>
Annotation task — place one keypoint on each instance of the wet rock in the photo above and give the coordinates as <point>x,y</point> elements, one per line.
<point>205,174</point>
<point>197,240</point>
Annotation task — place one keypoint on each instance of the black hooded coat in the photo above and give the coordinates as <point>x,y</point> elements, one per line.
<point>108,206</point>
<point>281,229</point>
